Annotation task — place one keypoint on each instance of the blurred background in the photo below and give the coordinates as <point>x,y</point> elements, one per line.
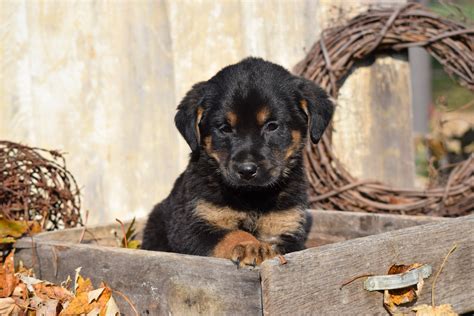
<point>100,81</point>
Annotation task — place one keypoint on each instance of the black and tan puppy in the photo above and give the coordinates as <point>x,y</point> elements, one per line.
<point>243,193</point>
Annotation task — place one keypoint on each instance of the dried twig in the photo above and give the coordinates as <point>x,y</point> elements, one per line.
<point>128,301</point>
<point>438,273</point>
<point>124,232</point>
<point>355,278</point>
<point>81,238</point>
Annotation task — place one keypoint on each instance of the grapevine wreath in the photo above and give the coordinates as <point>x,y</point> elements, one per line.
<point>331,58</point>
<point>35,185</point>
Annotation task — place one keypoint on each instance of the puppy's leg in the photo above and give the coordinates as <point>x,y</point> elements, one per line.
<point>243,249</point>
<point>154,235</point>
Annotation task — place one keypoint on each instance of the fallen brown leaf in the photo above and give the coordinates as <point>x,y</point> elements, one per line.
<point>16,229</point>
<point>112,308</point>
<point>7,305</point>
<point>27,295</point>
<point>83,285</point>
<point>8,280</point>
<point>428,310</point>
<point>51,291</point>
<point>393,298</point>
<point>80,303</point>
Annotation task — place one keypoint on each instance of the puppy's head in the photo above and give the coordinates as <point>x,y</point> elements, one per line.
<point>251,120</point>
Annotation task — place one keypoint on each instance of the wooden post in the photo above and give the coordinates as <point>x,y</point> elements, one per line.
<point>373,120</point>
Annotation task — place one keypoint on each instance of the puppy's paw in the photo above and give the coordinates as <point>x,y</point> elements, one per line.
<point>243,249</point>
<point>252,253</point>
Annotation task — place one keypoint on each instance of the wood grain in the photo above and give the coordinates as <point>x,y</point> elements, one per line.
<point>309,283</point>
<point>336,226</point>
<point>157,283</point>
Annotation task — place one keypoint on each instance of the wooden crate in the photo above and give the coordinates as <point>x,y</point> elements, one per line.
<point>166,283</point>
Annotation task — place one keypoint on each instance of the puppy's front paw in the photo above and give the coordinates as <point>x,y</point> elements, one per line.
<point>252,253</point>
<point>243,249</point>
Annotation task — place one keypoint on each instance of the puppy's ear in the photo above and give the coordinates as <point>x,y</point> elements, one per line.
<point>189,115</point>
<point>316,104</point>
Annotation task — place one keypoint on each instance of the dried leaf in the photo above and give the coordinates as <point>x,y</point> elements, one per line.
<point>8,280</point>
<point>16,229</point>
<point>428,310</point>
<point>24,271</point>
<point>94,295</point>
<point>112,308</point>
<point>94,312</point>
<point>29,281</point>
<point>27,295</point>
<point>134,244</point>
<point>76,278</point>
<point>104,299</point>
<point>7,240</point>
<point>80,303</point>
<point>408,294</point>
<point>393,298</point>
<point>47,307</point>
<point>83,285</point>
<point>51,291</point>
<point>20,291</point>
<point>7,305</point>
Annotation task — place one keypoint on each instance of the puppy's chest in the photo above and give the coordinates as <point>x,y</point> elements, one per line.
<point>268,227</point>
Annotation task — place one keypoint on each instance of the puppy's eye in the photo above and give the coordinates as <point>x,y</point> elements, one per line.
<point>271,126</point>
<point>225,128</point>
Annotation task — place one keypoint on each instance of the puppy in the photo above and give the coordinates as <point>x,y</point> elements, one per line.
<point>243,193</point>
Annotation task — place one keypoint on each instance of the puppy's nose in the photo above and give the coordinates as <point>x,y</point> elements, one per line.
<point>247,170</point>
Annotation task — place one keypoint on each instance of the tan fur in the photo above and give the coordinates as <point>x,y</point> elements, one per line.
<point>225,248</point>
<point>208,148</point>
<point>263,115</point>
<point>222,217</point>
<point>304,106</point>
<point>267,227</point>
<point>270,226</point>
<point>295,143</point>
<point>244,249</point>
<point>232,118</point>
<point>200,110</point>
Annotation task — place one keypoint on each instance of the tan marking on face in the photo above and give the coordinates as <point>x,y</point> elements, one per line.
<point>262,115</point>
<point>208,148</point>
<point>200,110</point>
<point>232,118</point>
<point>225,248</point>
<point>288,222</point>
<point>222,216</point>
<point>295,143</point>
<point>304,106</point>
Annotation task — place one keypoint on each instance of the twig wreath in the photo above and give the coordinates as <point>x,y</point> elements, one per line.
<point>331,58</point>
<point>35,185</point>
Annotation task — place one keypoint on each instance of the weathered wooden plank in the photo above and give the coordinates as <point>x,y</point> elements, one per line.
<point>328,227</point>
<point>335,226</point>
<point>157,283</point>
<point>310,282</point>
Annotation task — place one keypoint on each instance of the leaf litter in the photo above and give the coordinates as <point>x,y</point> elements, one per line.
<point>21,293</point>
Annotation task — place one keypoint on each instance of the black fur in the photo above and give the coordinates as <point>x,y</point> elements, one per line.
<point>214,173</point>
